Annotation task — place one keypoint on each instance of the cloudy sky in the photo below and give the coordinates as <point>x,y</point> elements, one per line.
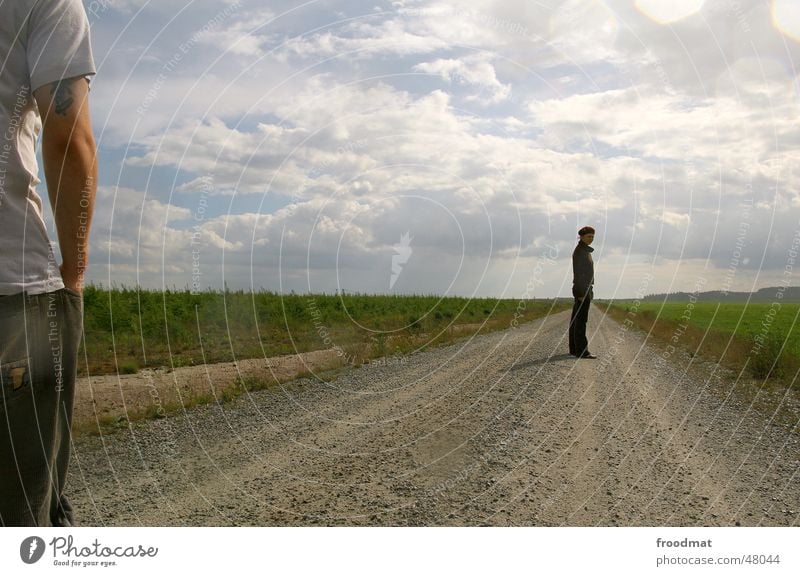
<point>446,147</point>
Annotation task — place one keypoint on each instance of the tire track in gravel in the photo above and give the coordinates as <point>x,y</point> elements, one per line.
<point>502,429</point>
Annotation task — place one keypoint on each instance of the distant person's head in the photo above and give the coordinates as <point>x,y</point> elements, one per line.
<point>586,235</point>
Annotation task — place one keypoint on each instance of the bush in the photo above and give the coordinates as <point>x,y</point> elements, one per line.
<point>767,361</point>
<point>129,367</point>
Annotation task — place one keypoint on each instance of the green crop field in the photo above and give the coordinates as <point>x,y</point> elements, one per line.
<point>128,329</point>
<point>764,335</point>
<point>743,320</point>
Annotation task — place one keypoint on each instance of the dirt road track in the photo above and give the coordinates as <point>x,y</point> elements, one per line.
<point>505,429</point>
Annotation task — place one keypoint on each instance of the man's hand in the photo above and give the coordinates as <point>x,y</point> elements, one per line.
<point>70,168</point>
<point>71,280</point>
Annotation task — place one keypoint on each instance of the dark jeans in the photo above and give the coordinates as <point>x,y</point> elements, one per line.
<point>578,343</point>
<point>39,339</point>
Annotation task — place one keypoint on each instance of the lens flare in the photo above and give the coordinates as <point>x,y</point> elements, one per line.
<point>786,18</point>
<point>668,11</point>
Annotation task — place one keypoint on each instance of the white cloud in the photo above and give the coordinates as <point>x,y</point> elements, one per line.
<point>474,70</point>
<point>364,39</point>
<point>132,235</point>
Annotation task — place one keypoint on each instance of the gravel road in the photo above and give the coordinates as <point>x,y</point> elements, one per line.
<point>502,429</point>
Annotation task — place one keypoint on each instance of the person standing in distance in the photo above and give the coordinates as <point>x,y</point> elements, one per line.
<point>582,283</point>
<point>44,69</point>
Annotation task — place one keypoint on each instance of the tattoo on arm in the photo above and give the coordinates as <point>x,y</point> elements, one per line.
<point>62,95</point>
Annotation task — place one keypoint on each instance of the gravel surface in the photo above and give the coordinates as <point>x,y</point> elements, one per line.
<point>502,429</point>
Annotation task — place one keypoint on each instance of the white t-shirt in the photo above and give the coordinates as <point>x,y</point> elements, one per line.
<point>41,41</point>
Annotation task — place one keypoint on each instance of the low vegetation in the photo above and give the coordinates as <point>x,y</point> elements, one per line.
<point>762,340</point>
<point>127,329</point>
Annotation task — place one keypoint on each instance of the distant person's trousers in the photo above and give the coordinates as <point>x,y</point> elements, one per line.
<point>39,339</point>
<point>578,344</point>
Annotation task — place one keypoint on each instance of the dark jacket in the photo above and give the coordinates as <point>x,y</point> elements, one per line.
<point>582,269</point>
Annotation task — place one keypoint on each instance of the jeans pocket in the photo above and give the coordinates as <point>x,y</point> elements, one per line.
<point>15,379</point>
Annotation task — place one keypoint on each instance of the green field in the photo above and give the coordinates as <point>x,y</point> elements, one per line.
<point>767,336</point>
<point>744,320</point>
<point>127,329</point>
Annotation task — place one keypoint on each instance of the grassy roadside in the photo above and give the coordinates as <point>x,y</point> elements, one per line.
<point>241,385</point>
<point>126,330</point>
<point>757,339</point>
<point>764,363</point>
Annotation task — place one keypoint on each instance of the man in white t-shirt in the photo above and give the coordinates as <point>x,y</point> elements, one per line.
<point>45,63</point>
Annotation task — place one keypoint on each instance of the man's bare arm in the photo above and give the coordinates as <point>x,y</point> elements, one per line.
<point>70,169</point>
